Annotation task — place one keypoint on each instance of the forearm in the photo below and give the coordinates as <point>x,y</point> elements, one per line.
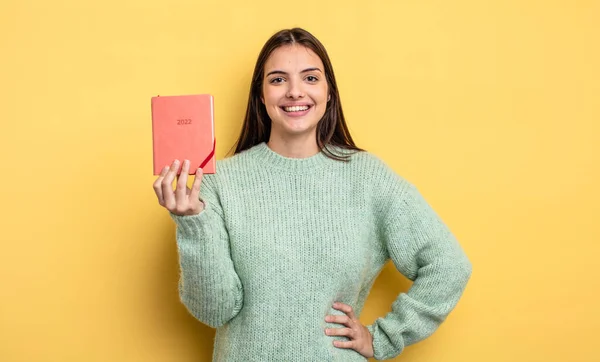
<point>209,286</point>
<point>418,313</point>
<point>424,250</point>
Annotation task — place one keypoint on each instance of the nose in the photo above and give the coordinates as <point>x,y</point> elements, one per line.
<point>294,90</point>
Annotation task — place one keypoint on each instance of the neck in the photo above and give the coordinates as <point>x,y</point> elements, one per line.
<point>297,147</point>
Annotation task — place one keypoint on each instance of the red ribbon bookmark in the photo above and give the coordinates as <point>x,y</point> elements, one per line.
<point>210,155</point>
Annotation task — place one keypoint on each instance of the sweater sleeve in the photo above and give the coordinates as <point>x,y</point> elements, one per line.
<point>209,286</point>
<point>423,249</point>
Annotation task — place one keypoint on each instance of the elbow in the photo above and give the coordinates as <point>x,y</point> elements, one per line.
<point>467,269</point>
<point>213,313</point>
<point>462,269</point>
<point>212,320</point>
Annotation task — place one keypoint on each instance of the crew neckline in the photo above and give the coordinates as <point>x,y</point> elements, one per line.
<point>303,164</point>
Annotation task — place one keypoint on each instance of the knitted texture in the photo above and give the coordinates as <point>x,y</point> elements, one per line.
<point>281,239</point>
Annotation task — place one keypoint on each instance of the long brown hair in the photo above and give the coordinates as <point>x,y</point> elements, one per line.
<point>331,129</point>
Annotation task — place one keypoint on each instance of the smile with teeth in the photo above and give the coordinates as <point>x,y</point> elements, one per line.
<point>296,108</point>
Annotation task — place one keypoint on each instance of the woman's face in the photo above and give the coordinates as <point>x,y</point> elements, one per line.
<point>294,91</point>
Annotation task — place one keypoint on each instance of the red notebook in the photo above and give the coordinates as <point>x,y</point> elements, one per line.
<point>183,128</point>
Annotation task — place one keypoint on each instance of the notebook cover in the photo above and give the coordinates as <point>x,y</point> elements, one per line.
<point>183,128</point>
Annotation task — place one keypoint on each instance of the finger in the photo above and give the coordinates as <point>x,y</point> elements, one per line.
<point>344,344</point>
<point>157,188</point>
<point>167,186</point>
<point>339,319</point>
<point>345,308</point>
<point>339,332</point>
<point>195,194</point>
<point>180,191</point>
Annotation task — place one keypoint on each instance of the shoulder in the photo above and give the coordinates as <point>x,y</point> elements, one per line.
<point>376,170</point>
<point>386,190</point>
<point>237,169</point>
<point>229,165</point>
<point>369,160</point>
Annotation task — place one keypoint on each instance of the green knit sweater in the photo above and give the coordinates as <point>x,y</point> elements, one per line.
<point>281,239</point>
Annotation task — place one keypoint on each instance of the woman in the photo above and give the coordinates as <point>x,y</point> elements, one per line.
<point>280,248</point>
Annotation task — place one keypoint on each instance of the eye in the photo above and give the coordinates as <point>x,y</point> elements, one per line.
<point>276,80</point>
<point>312,78</point>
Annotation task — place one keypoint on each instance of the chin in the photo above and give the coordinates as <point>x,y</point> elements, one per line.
<point>298,130</point>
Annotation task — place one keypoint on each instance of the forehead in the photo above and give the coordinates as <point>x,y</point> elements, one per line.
<point>293,58</point>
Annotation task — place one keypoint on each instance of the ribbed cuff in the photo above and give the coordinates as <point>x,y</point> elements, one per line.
<point>189,226</point>
<point>383,348</point>
<point>371,328</point>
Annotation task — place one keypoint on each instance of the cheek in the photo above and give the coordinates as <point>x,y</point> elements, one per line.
<point>270,98</point>
<point>271,104</point>
<point>324,93</point>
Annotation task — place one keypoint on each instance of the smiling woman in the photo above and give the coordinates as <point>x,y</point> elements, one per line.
<point>280,247</point>
<point>294,70</point>
<point>294,93</point>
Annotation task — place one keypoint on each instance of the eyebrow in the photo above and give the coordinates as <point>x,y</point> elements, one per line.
<point>304,71</point>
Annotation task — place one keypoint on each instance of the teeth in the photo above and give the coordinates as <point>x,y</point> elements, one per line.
<point>295,108</point>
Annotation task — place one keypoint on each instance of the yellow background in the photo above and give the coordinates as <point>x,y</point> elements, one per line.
<point>490,108</point>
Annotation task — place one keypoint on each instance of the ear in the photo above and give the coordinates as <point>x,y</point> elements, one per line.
<point>328,98</point>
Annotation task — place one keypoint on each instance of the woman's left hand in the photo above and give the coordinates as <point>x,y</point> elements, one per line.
<point>360,338</point>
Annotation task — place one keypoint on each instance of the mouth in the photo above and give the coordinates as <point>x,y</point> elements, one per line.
<point>296,109</point>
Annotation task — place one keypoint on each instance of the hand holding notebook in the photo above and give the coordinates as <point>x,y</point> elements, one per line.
<point>184,200</point>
